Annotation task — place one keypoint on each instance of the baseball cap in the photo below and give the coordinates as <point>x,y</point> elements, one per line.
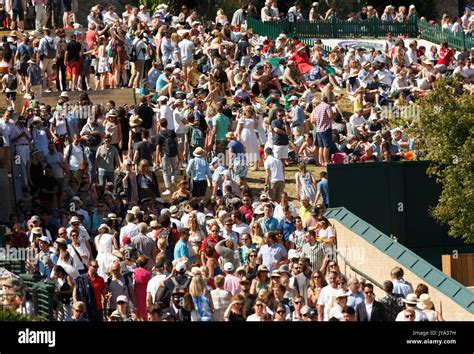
<point>228,267</point>
<point>181,267</point>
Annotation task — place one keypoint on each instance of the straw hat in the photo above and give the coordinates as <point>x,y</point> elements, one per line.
<point>199,151</point>
<point>424,302</point>
<point>135,121</point>
<point>262,268</point>
<point>411,299</point>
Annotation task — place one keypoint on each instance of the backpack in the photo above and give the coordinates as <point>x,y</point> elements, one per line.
<point>128,276</point>
<point>133,54</point>
<point>180,288</point>
<point>69,153</point>
<point>25,55</point>
<point>197,137</point>
<point>12,82</point>
<point>7,53</point>
<point>50,50</point>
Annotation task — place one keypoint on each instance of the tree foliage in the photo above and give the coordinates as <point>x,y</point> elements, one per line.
<point>446,127</point>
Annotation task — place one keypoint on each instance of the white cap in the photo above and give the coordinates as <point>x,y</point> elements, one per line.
<point>180,267</point>
<point>214,160</point>
<point>36,119</point>
<point>294,98</point>
<point>228,267</point>
<point>162,98</point>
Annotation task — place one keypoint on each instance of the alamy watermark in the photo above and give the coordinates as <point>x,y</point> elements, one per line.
<point>408,112</point>
<point>9,253</point>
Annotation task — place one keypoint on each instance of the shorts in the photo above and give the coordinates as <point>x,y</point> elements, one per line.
<point>74,67</point>
<point>280,151</point>
<point>324,139</point>
<point>18,15</point>
<point>11,96</point>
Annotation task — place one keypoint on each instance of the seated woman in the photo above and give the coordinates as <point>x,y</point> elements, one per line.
<point>302,59</point>
<point>182,194</point>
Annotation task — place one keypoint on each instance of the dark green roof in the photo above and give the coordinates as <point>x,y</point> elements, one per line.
<point>406,258</point>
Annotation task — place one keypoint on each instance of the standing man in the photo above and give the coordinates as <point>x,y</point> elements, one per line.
<point>72,59</point>
<point>91,289</point>
<point>145,245</point>
<point>220,128</point>
<point>281,131</point>
<point>274,177</point>
<point>323,189</point>
<point>47,51</point>
<point>200,173</point>
<point>21,140</point>
<point>370,310</point>
<point>106,160</point>
<point>323,116</point>
<point>167,154</point>
<point>56,160</point>
<point>272,254</point>
<point>186,47</point>
<point>41,15</point>
<point>314,251</point>
<point>297,118</point>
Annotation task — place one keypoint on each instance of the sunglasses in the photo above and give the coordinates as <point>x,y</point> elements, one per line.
<point>259,305</point>
<point>94,266</point>
<point>297,302</point>
<point>252,256</point>
<point>281,312</point>
<point>368,292</point>
<point>409,316</point>
<point>121,302</point>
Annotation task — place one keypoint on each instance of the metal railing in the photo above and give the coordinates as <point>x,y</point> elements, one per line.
<point>375,28</point>
<point>358,271</point>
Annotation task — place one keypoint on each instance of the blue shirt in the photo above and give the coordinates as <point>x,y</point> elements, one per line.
<point>181,250</point>
<point>161,82</point>
<point>298,117</point>
<point>270,224</point>
<point>323,188</point>
<point>198,169</point>
<point>354,299</point>
<point>217,177</point>
<point>43,267</point>
<point>287,228</point>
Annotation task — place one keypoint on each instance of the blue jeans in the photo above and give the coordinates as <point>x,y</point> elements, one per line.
<point>105,176</point>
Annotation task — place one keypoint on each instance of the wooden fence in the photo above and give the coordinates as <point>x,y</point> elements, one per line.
<point>459,267</point>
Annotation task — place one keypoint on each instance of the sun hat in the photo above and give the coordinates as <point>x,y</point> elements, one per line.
<point>293,98</point>
<point>411,299</point>
<point>424,302</point>
<point>340,293</point>
<point>37,119</point>
<point>198,152</point>
<point>174,210</point>
<point>262,268</point>
<point>112,113</point>
<point>64,94</point>
<point>37,231</point>
<point>258,210</point>
<point>214,160</point>
<point>135,121</point>
<point>275,274</point>
<point>61,240</point>
<point>103,226</point>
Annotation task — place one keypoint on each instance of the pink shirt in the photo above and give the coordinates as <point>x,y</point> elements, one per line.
<point>232,284</point>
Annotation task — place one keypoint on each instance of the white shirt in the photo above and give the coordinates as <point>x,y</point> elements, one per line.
<point>254,318</point>
<point>77,260</point>
<point>83,234</point>
<point>279,214</point>
<point>166,112</point>
<point>154,284</point>
<point>368,309</point>
<point>75,158</point>
<point>276,169</point>
<point>384,76</point>
<point>241,229</point>
<point>326,297</point>
<point>187,50</point>
<point>357,120</point>
<point>178,122</point>
<point>130,230</point>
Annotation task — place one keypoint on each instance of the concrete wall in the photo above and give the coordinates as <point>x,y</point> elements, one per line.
<point>371,261</point>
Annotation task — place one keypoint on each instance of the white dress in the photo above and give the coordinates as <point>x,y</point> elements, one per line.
<point>248,137</point>
<point>262,135</point>
<point>103,65</point>
<point>104,247</point>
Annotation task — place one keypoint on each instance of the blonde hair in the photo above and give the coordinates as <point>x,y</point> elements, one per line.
<point>197,286</point>
<point>219,281</point>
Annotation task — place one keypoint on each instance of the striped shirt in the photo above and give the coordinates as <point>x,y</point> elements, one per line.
<point>315,254</point>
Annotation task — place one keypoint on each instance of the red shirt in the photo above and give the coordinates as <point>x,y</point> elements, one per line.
<point>210,241</point>
<point>98,284</point>
<point>445,56</point>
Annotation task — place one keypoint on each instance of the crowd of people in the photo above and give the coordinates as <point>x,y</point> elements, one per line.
<point>216,100</point>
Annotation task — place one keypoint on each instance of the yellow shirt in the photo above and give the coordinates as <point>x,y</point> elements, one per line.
<point>304,214</point>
